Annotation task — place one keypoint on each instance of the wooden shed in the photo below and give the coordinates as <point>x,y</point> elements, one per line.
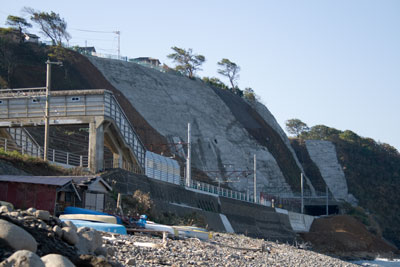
<point>40,192</point>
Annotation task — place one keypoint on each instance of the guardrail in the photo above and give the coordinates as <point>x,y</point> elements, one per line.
<point>55,156</point>
<point>224,192</point>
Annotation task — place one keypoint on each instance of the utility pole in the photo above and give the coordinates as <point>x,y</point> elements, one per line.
<point>255,179</point>
<point>327,200</point>
<point>119,43</point>
<point>302,193</point>
<point>47,111</point>
<point>188,159</point>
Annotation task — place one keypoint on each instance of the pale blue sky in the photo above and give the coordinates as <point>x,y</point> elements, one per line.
<point>325,62</point>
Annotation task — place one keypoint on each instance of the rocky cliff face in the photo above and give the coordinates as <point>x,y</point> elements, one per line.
<point>223,139</point>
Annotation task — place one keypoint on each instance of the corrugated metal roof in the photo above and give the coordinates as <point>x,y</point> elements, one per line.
<point>88,180</point>
<point>48,180</point>
<point>82,180</point>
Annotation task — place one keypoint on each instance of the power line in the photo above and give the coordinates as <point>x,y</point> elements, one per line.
<point>81,30</point>
<point>118,33</point>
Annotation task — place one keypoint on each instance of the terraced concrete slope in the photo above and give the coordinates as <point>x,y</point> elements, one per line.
<point>323,153</point>
<point>168,102</point>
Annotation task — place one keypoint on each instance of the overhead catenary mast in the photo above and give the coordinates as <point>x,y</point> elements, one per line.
<point>117,32</point>
<point>119,43</point>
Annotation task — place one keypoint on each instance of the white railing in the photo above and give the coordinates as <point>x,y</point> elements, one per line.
<point>55,156</point>
<point>113,110</point>
<point>22,92</point>
<point>224,192</point>
<point>109,56</point>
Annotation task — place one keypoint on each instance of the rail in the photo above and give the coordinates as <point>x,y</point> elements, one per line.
<point>55,156</point>
<point>23,92</point>
<point>113,110</point>
<point>224,192</point>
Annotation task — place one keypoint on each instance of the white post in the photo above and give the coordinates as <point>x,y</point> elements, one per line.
<point>119,50</point>
<point>255,179</point>
<point>47,110</point>
<point>188,159</point>
<point>302,192</point>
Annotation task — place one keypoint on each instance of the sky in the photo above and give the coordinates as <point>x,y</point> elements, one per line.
<point>332,62</point>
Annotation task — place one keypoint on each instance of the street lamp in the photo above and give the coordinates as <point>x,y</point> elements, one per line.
<point>47,111</point>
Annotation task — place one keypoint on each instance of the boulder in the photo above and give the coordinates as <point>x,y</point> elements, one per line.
<point>15,214</point>
<point>56,260</point>
<point>82,229</point>
<point>31,211</point>
<point>43,215</point>
<point>69,235</point>
<point>5,209</point>
<point>17,237</point>
<point>101,251</point>
<point>58,231</point>
<point>89,240</point>
<point>111,251</point>
<point>89,260</point>
<point>70,224</point>
<point>130,262</point>
<point>23,258</point>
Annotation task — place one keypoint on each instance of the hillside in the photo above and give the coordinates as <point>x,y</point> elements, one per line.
<point>372,172</point>
<point>226,132</point>
<point>225,129</point>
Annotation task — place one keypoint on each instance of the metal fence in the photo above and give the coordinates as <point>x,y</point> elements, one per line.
<point>109,56</point>
<point>224,192</point>
<point>55,156</point>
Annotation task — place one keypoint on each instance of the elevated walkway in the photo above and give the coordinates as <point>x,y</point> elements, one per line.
<point>108,124</point>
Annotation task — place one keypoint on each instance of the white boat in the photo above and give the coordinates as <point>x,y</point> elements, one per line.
<point>89,217</point>
<point>180,231</point>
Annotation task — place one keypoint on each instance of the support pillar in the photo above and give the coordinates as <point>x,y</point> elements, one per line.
<point>96,147</point>
<point>118,159</point>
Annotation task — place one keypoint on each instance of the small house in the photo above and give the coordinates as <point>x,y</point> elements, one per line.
<point>54,193</point>
<point>92,191</point>
<point>147,60</point>
<point>31,38</point>
<point>40,192</point>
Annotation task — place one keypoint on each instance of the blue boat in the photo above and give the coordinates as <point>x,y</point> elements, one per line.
<point>105,227</point>
<point>75,210</point>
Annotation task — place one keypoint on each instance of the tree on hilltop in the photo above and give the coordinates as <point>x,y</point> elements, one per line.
<point>296,127</point>
<point>51,25</point>
<point>249,94</point>
<point>187,62</point>
<point>215,82</point>
<point>230,70</point>
<point>19,24</point>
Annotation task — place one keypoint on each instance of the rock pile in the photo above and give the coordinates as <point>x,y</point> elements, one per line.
<point>35,238</point>
<point>222,250</point>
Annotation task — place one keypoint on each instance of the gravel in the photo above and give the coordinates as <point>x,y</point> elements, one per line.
<point>222,250</point>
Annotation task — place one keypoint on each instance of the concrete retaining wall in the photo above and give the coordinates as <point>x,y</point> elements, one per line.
<point>323,154</point>
<point>299,222</point>
<point>246,218</point>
